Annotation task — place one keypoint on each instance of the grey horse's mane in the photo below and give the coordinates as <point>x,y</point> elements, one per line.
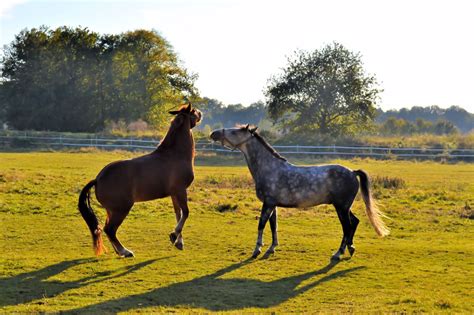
<point>266,145</point>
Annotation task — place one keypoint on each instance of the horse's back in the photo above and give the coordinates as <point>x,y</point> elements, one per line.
<point>342,183</point>
<point>304,186</point>
<point>147,177</point>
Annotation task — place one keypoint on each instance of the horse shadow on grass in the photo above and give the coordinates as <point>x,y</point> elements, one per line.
<point>30,286</point>
<point>213,293</point>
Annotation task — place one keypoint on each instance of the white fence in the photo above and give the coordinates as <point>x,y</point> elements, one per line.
<point>29,141</point>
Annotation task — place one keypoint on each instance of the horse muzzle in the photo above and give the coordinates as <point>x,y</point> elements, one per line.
<point>216,135</point>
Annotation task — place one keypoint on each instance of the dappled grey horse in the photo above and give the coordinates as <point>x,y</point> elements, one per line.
<point>280,183</point>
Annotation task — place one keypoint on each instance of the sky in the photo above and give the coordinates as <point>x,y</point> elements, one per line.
<point>421,52</point>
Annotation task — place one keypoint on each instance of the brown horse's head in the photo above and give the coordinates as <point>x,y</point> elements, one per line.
<point>187,112</point>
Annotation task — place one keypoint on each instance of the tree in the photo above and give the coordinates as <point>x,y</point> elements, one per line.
<point>149,76</point>
<point>397,126</point>
<point>46,82</point>
<point>326,91</point>
<point>215,113</point>
<point>400,126</point>
<point>423,126</point>
<point>72,79</point>
<point>444,127</point>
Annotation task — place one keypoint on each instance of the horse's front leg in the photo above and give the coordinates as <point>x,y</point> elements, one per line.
<point>264,216</point>
<point>179,244</point>
<point>182,202</point>
<point>274,227</point>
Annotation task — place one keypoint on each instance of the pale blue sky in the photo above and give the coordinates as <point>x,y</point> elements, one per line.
<point>420,50</point>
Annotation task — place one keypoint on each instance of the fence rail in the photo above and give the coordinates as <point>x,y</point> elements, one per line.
<point>29,141</point>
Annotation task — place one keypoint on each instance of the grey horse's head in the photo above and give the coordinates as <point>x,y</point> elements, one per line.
<point>233,137</point>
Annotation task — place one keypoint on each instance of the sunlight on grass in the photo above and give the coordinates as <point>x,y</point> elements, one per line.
<point>47,263</point>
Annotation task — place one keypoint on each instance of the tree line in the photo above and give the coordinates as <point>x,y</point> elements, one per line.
<point>428,119</point>
<point>392,122</point>
<point>218,115</point>
<point>73,79</point>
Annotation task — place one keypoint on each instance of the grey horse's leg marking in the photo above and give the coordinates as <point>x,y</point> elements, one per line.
<point>344,217</point>
<point>274,227</point>
<point>354,224</point>
<point>264,216</point>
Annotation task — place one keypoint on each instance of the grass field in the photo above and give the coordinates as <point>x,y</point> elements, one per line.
<point>47,265</point>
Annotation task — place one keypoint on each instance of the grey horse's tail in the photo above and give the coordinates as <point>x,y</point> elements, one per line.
<point>373,212</point>
<point>89,216</point>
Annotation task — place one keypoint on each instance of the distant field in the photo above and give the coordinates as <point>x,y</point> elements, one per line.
<point>47,263</point>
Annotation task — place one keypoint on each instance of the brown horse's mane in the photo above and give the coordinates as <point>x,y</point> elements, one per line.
<point>170,138</point>
<point>265,144</point>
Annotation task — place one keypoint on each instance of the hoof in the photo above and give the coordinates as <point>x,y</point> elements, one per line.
<point>351,250</point>
<point>179,245</point>
<point>336,257</point>
<point>256,252</point>
<point>128,254</point>
<point>173,237</point>
<point>270,251</point>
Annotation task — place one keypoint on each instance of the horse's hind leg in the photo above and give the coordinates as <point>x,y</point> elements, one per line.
<point>114,220</point>
<point>177,210</point>
<point>354,223</point>
<point>182,200</point>
<point>344,218</point>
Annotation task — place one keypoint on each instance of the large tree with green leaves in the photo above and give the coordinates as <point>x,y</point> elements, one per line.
<point>73,79</point>
<point>325,91</point>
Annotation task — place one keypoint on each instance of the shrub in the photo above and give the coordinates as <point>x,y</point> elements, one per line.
<point>388,182</point>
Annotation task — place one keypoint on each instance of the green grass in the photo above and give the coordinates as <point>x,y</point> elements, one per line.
<point>458,141</point>
<point>47,263</point>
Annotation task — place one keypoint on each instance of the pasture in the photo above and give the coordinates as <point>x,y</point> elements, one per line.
<point>47,264</point>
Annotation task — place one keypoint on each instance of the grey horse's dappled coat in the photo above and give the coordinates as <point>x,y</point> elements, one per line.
<point>280,183</point>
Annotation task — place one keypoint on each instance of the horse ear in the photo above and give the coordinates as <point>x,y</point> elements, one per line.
<point>253,130</point>
<point>247,127</point>
<point>174,112</point>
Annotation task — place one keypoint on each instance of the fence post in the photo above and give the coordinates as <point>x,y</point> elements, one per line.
<point>298,148</point>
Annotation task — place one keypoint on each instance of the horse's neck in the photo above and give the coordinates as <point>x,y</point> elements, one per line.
<point>260,160</point>
<point>179,139</point>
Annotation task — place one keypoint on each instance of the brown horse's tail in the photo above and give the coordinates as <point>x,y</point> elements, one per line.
<point>373,212</point>
<point>90,217</point>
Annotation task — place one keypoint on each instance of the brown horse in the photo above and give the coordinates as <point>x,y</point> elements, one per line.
<point>167,171</point>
